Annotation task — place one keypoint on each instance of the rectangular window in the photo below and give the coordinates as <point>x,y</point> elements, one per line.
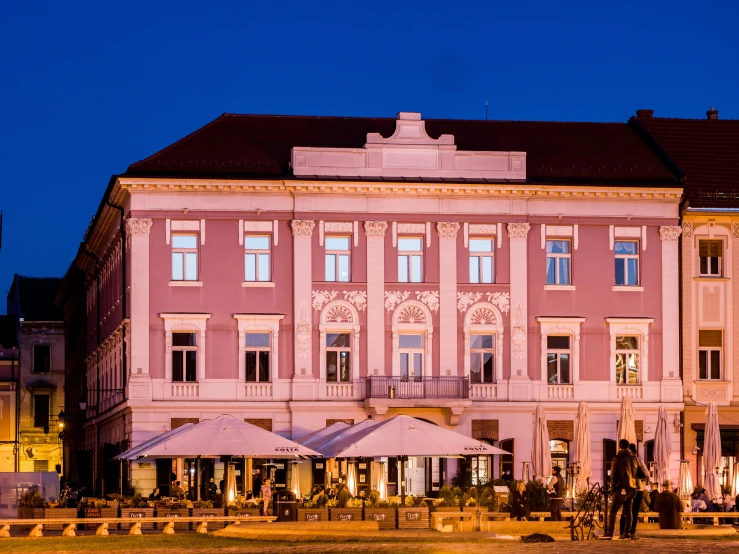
<point>257,351</point>
<point>40,465</point>
<point>41,358</point>
<point>184,357</point>
<point>338,357</point>
<point>184,257</point>
<point>558,262</point>
<point>411,356</point>
<point>481,260</point>
<point>710,344</point>
<point>710,254</point>
<point>41,409</point>
<point>558,360</point>
<point>482,359</point>
<point>257,258</point>
<point>410,260</point>
<point>627,262</point>
<point>338,256</point>
<point>627,360</point>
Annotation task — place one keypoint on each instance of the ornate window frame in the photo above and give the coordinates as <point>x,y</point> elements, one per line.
<point>638,326</point>
<point>564,326</point>
<point>326,326</point>
<point>426,327</point>
<point>193,323</point>
<point>259,322</point>
<point>493,328</point>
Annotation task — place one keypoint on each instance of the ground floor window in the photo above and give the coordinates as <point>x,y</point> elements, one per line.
<point>507,460</point>
<point>560,451</point>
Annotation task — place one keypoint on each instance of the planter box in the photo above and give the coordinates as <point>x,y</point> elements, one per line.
<point>51,513</point>
<point>137,513</point>
<point>206,512</point>
<point>473,509</point>
<point>413,518</point>
<point>345,514</point>
<point>312,514</point>
<point>30,513</point>
<point>385,517</point>
<point>174,515</point>
<point>248,512</point>
<point>446,509</point>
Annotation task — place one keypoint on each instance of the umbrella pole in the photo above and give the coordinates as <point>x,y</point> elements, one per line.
<point>197,478</point>
<point>402,460</point>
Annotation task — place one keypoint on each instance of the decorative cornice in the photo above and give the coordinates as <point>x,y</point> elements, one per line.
<point>670,233</point>
<point>138,226</point>
<point>518,230</point>
<point>338,227</point>
<point>302,227</point>
<point>375,228</point>
<point>447,229</point>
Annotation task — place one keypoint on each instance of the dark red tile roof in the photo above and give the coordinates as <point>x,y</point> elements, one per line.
<point>252,146</point>
<point>706,151</point>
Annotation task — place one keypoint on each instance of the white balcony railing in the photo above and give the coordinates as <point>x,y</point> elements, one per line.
<point>629,391</point>
<point>340,391</point>
<point>184,390</point>
<point>487,391</point>
<point>258,391</point>
<point>564,392</point>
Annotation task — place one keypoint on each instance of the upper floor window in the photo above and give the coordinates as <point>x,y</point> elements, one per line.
<point>184,357</point>
<point>410,348</point>
<point>338,357</point>
<point>185,257</point>
<point>627,262</point>
<point>41,410</point>
<point>482,359</point>
<point>481,260</point>
<point>338,256</point>
<point>257,258</point>
<point>41,358</point>
<point>410,260</point>
<point>558,359</point>
<point>710,344</point>
<point>627,360</point>
<point>257,353</point>
<point>710,258</point>
<point>558,262</point>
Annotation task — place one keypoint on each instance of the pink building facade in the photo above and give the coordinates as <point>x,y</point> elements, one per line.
<point>384,271</point>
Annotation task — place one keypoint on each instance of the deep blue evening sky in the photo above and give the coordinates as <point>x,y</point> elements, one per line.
<point>87,88</point>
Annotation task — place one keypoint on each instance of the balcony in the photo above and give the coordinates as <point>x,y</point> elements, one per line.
<point>417,388</point>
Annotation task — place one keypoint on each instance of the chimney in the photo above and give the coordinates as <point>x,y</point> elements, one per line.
<point>712,113</point>
<point>644,114</point>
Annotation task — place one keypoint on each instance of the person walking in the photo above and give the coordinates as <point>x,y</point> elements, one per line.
<point>520,506</point>
<point>641,475</point>
<point>556,490</point>
<point>623,485</point>
<point>669,506</point>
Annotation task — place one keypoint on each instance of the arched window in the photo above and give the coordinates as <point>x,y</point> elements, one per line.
<point>339,346</point>
<point>483,344</point>
<point>412,339</point>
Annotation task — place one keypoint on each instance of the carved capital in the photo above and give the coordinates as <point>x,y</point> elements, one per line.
<point>518,230</point>
<point>138,226</point>
<point>447,229</point>
<point>670,233</point>
<point>302,227</point>
<point>375,228</point>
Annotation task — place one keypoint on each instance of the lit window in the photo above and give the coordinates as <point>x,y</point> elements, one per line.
<point>338,357</point>
<point>184,357</point>
<point>257,350</point>
<point>338,255</point>
<point>710,252</point>
<point>558,360</point>
<point>627,262</point>
<point>627,360</point>
<point>482,359</point>
<point>41,358</point>
<point>257,258</point>
<point>709,354</point>
<point>410,260</point>
<point>558,262</point>
<point>481,261</point>
<point>184,257</point>
<point>410,348</point>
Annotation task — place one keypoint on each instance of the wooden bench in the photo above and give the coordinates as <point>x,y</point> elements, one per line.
<point>461,521</point>
<point>69,524</point>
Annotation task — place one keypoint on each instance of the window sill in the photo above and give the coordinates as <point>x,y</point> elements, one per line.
<point>710,278</point>
<point>185,283</point>
<point>625,288</point>
<point>265,284</point>
<point>559,287</point>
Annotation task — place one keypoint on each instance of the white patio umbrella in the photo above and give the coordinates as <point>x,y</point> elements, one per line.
<point>322,435</point>
<point>581,452</point>
<point>133,453</point>
<point>712,452</point>
<point>382,481</point>
<point>626,427</point>
<point>351,478</point>
<point>734,492</point>
<point>541,455</point>
<point>662,447</point>
<point>295,479</point>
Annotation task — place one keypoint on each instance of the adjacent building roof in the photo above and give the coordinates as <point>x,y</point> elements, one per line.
<point>259,146</point>
<point>8,332</point>
<point>32,298</point>
<point>706,151</point>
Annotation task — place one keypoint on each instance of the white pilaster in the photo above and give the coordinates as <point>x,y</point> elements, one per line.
<point>447,296</point>
<point>669,235</point>
<point>518,234</point>
<point>302,280</point>
<point>138,243</point>
<point>375,232</point>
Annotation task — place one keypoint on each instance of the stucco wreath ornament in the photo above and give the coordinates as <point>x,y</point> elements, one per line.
<point>358,298</point>
<point>321,298</point>
<point>393,298</point>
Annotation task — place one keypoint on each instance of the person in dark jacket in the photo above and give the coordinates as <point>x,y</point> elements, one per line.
<point>641,476</point>
<point>669,506</point>
<point>623,484</point>
<point>556,490</point>
<point>520,505</point>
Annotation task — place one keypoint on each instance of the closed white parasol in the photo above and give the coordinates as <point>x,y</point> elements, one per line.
<point>541,455</point>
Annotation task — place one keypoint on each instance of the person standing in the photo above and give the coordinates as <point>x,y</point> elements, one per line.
<point>641,475</point>
<point>669,506</point>
<point>556,490</point>
<point>623,485</point>
<point>520,505</point>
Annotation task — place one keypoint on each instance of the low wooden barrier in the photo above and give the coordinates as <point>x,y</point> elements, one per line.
<point>68,525</point>
<point>453,521</point>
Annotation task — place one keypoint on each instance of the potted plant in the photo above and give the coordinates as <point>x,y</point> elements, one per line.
<point>447,501</point>
<point>414,515</point>
<point>174,510</point>
<point>60,510</point>
<point>346,509</point>
<point>31,505</point>
<point>138,508</point>
<point>238,507</point>
<point>315,510</point>
<point>382,512</point>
